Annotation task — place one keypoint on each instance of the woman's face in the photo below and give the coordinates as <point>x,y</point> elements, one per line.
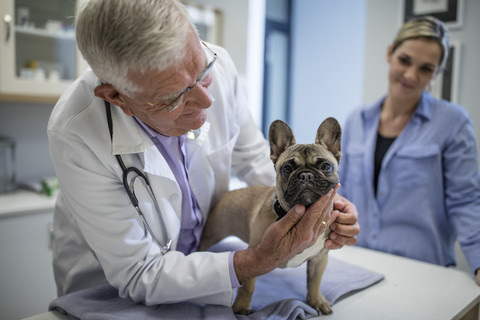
<point>412,65</point>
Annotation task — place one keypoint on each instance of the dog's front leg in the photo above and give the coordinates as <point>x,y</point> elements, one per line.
<point>243,301</point>
<point>315,268</point>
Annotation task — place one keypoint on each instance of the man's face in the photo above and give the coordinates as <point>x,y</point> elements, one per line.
<point>183,88</point>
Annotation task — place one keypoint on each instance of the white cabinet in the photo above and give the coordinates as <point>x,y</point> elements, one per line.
<point>39,57</point>
<point>26,272</point>
<point>27,284</point>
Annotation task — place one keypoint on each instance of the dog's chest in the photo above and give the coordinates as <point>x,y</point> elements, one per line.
<point>306,254</point>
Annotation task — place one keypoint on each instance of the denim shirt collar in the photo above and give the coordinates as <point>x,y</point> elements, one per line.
<point>423,109</point>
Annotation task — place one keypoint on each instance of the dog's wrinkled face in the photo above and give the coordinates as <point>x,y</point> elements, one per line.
<point>305,171</point>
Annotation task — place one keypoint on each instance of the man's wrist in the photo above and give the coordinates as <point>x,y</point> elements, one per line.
<point>231,269</point>
<point>248,265</point>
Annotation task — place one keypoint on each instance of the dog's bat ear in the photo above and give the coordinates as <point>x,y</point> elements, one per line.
<point>281,137</point>
<point>329,134</point>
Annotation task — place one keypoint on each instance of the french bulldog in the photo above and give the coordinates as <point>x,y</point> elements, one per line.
<point>305,172</point>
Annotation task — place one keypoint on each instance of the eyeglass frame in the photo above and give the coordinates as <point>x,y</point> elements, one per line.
<point>172,106</point>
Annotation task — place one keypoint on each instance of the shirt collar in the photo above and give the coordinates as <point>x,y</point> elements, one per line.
<point>152,134</point>
<point>423,110</point>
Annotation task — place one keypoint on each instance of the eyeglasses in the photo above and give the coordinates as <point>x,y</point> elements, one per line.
<point>178,101</point>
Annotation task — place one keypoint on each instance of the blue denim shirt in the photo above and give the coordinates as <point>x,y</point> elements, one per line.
<point>428,188</point>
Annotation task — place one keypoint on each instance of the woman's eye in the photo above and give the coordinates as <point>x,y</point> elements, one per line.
<point>427,70</point>
<point>403,60</point>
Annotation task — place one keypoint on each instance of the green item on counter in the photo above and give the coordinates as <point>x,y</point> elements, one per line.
<point>50,186</point>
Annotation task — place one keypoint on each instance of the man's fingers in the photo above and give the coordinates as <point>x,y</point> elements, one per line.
<point>324,207</point>
<point>292,217</point>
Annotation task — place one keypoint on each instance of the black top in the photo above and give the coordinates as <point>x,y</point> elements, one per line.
<point>380,150</point>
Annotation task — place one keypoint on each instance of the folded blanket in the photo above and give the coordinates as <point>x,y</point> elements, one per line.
<point>280,294</point>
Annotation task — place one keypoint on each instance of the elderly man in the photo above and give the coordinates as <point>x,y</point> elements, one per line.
<point>143,144</point>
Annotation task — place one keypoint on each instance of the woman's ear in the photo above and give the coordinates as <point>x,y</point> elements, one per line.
<point>389,53</point>
<point>108,93</point>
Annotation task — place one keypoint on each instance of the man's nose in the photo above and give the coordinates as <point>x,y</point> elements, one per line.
<point>200,96</point>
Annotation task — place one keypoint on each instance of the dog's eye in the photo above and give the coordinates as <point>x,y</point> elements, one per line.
<point>287,169</point>
<point>326,167</point>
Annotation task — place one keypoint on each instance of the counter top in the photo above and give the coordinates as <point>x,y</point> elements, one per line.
<point>23,202</point>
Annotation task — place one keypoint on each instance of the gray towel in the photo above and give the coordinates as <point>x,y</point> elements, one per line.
<point>280,294</point>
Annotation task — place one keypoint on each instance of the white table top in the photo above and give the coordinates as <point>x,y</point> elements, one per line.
<point>411,290</point>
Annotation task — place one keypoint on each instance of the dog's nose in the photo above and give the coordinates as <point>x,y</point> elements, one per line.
<point>306,176</point>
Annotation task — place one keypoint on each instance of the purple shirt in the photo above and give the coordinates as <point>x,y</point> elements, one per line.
<point>173,150</point>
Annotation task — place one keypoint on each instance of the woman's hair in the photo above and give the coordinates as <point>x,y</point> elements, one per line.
<point>115,36</point>
<point>425,27</point>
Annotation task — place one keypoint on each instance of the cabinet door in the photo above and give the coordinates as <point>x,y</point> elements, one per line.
<point>39,57</point>
<point>27,285</point>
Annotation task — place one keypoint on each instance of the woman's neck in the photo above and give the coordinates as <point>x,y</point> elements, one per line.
<point>395,116</point>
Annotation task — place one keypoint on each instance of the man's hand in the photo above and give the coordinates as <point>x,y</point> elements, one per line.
<point>296,231</point>
<point>345,228</point>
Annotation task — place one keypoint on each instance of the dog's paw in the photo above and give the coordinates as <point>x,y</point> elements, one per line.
<point>243,311</point>
<point>321,305</point>
<point>240,307</point>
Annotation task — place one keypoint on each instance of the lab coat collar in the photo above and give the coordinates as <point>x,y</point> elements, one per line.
<point>131,139</point>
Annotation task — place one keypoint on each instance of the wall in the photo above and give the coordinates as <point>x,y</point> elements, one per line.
<point>234,16</point>
<point>242,29</point>
<point>383,20</point>
<point>328,54</point>
<point>27,125</point>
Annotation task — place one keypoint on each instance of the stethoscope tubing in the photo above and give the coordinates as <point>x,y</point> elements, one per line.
<point>131,191</point>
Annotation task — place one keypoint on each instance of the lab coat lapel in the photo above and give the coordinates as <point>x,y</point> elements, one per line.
<point>200,170</point>
<point>166,189</point>
<point>138,150</point>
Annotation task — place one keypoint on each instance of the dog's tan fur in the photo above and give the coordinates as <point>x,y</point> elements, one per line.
<point>301,179</point>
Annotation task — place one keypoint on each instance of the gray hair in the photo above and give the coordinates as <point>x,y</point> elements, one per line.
<point>115,36</point>
<point>426,27</point>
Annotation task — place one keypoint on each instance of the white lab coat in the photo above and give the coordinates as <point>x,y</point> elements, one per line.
<point>98,233</point>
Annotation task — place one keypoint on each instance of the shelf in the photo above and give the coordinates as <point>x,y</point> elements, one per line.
<point>64,35</point>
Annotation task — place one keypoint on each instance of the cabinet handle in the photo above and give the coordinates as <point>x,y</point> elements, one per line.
<point>8,20</point>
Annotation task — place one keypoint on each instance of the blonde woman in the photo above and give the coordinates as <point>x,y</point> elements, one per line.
<point>410,161</point>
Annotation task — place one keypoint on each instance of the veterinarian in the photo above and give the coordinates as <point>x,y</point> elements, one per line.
<point>143,144</point>
<point>410,162</point>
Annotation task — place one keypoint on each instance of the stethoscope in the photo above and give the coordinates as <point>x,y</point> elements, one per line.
<point>129,188</point>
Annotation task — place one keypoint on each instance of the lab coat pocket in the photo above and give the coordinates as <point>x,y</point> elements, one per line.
<point>158,211</point>
<point>220,159</point>
<point>210,171</point>
<point>414,165</point>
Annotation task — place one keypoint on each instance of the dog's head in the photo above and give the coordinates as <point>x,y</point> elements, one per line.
<point>305,171</point>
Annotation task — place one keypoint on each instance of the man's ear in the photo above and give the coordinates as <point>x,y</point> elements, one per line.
<point>108,93</point>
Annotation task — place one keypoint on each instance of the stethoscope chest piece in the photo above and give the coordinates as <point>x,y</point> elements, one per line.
<point>193,134</point>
